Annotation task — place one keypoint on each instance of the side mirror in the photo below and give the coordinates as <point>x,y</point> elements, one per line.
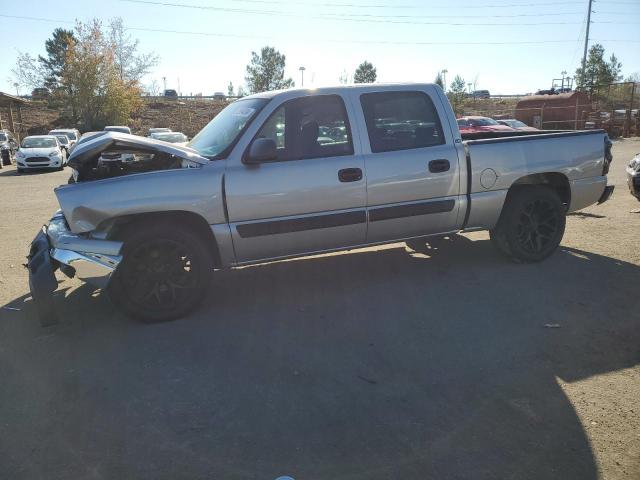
<point>261,150</point>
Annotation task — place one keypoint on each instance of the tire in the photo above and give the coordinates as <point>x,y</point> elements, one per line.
<point>531,225</point>
<point>164,274</point>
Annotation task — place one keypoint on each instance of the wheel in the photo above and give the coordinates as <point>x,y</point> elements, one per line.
<point>164,274</point>
<point>531,225</point>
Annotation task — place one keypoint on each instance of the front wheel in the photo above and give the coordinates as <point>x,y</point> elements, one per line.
<point>164,273</point>
<point>531,225</point>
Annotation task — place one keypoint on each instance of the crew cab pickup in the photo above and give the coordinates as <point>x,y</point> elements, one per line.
<point>298,172</point>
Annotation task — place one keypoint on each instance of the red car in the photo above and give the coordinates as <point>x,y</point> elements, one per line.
<point>481,124</point>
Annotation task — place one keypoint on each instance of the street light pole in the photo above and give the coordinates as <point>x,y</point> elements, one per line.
<point>302,69</point>
<point>444,78</point>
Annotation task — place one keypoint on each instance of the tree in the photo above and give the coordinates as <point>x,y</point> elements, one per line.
<point>438,80</point>
<point>241,92</point>
<point>54,63</point>
<point>131,65</point>
<point>230,89</point>
<point>597,71</point>
<point>457,94</point>
<point>28,72</point>
<point>153,88</point>
<point>365,73</point>
<point>266,71</point>
<point>97,93</point>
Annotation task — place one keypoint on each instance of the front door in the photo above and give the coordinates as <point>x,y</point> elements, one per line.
<point>312,197</point>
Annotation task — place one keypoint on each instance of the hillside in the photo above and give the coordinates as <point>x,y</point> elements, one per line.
<point>185,116</point>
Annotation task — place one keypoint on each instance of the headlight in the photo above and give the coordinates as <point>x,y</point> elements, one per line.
<point>54,154</point>
<point>635,162</point>
<point>4,146</point>
<point>19,154</point>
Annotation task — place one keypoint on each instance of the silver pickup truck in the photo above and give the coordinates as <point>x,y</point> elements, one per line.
<point>296,172</point>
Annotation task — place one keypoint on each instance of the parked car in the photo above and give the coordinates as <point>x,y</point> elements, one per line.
<point>516,124</point>
<point>65,143</point>
<point>237,195</point>
<point>170,93</point>
<point>8,148</point>
<point>219,96</point>
<point>72,133</point>
<point>633,176</point>
<point>40,151</point>
<point>474,124</point>
<point>178,138</point>
<point>158,130</point>
<point>117,128</point>
<point>481,94</point>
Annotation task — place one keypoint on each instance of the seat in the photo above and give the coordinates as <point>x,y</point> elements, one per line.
<point>309,139</point>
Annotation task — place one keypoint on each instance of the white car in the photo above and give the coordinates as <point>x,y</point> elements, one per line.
<point>72,133</point>
<point>158,130</point>
<point>177,138</point>
<point>40,151</point>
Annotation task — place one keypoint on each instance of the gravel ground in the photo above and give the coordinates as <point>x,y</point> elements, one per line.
<point>374,364</point>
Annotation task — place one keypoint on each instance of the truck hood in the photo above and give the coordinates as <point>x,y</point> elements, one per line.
<point>86,154</point>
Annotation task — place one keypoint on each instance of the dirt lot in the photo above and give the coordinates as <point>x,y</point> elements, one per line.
<point>363,365</point>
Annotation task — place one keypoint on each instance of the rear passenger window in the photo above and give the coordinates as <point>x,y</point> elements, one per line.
<point>309,127</point>
<point>401,121</point>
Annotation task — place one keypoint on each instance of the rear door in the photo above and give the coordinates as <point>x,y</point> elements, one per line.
<point>412,166</point>
<point>312,197</point>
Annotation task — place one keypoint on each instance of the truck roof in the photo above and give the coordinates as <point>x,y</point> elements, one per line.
<point>363,87</point>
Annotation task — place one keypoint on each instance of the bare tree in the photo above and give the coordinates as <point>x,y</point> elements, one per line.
<point>28,72</point>
<point>131,65</point>
<point>153,88</point>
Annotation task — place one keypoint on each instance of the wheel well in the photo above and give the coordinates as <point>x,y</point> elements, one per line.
<point>556,181</point>
<point>116,227</point>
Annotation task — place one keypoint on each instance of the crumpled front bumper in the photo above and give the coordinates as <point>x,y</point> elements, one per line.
<point>56,247</point>
<point>633,182</point>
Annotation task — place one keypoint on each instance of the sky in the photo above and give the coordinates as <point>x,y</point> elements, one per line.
<point>505,46</point>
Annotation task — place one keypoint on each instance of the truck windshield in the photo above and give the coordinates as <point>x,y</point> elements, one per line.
<point>220,135</point>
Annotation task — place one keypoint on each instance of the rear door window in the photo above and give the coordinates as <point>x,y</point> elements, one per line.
<point>401,121</point>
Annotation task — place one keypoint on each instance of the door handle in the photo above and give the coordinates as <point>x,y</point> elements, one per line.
<point>350,174</point>
<point>439,166</point>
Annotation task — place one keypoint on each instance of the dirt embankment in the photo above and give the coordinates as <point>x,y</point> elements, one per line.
<point>183,116</point>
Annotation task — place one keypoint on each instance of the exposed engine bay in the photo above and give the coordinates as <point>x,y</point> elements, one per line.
<point>116,154</point>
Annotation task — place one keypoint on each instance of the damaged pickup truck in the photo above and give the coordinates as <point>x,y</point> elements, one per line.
<point>296,172</point>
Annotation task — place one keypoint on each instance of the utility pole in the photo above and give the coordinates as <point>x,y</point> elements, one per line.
<point>444,78</point>
<point>302,69</point>
<point>586,41</point>
<point>164,80</point>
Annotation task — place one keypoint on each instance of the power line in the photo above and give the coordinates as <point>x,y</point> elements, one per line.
<point>276,2</point>
<point>338,17</point>
<point>329,40</point>
<point>360,5</point>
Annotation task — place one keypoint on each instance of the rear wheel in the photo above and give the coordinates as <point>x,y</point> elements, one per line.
<point>531,225</point>
<point>164,273</point>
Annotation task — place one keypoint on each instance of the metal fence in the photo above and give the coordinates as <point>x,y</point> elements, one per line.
<point>613,107</point>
